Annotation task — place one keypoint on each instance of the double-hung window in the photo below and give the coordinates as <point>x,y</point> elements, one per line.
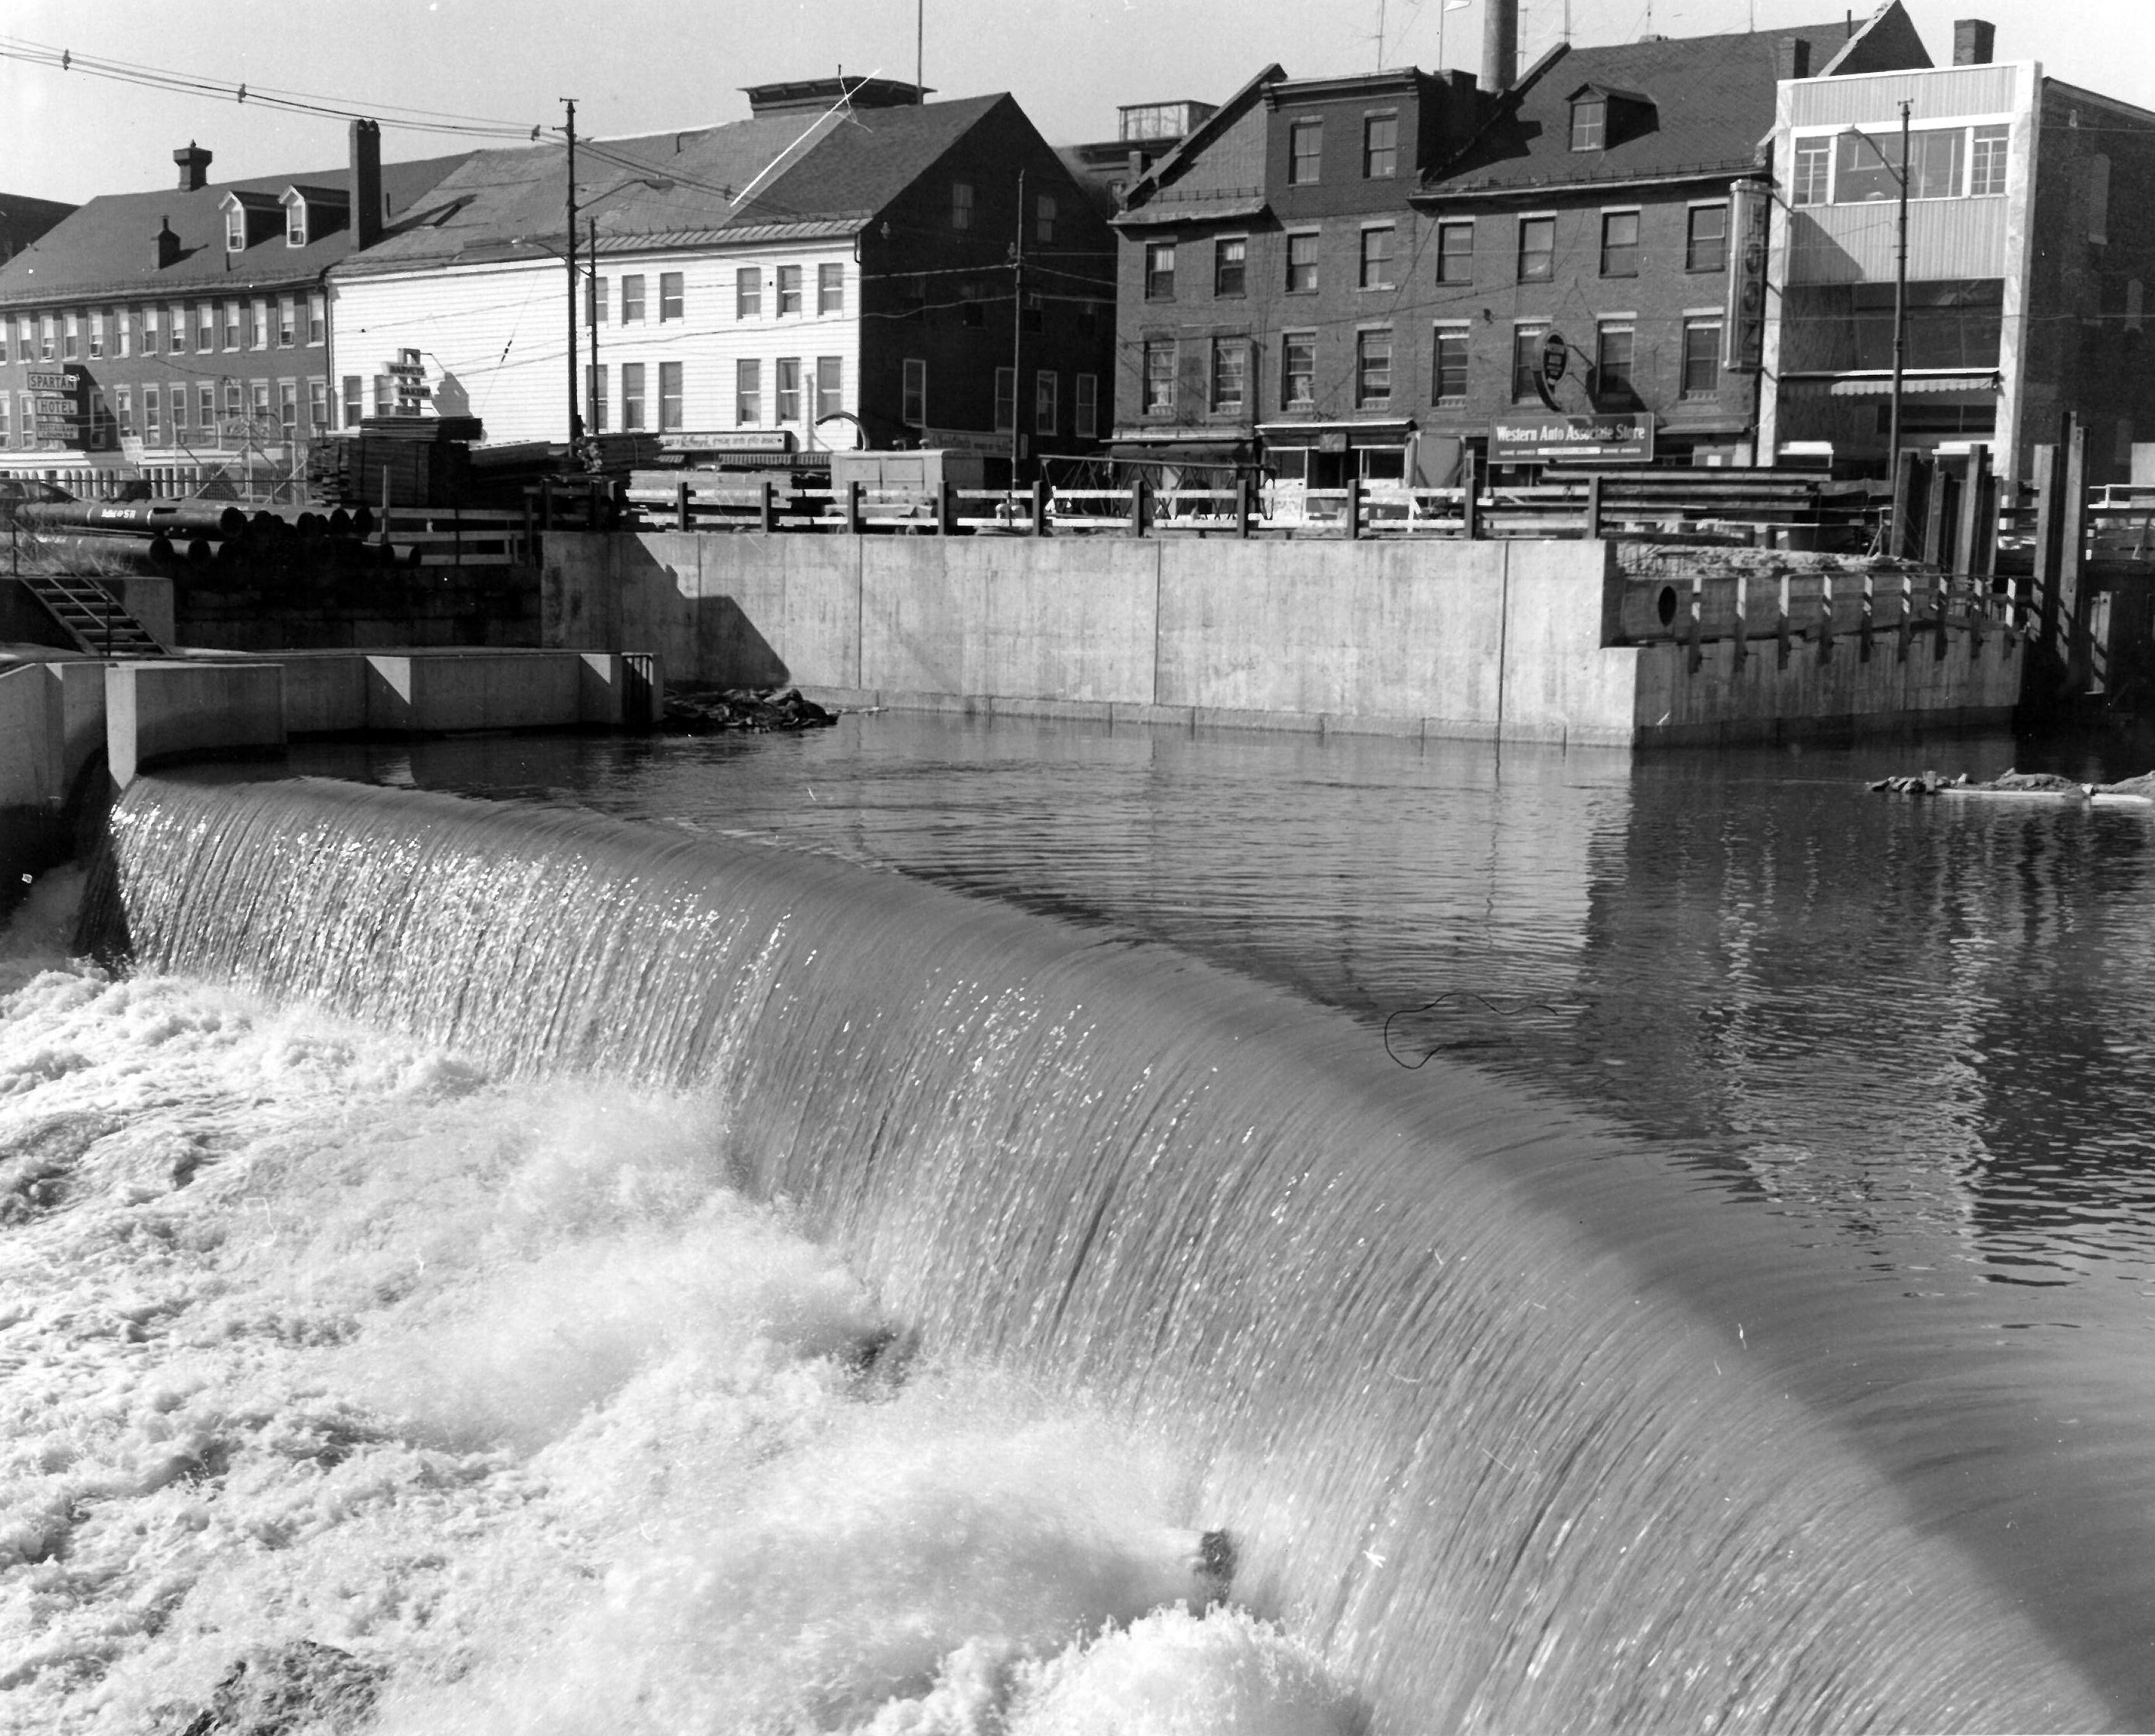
<point>1455,252</point>
<point>748,393</point>
<point>789,290</point>
<point>1302,262</point>
<point>1536,250</point>
<point>1159,271</point>
<point>830,386</point>
<point>1087,411</point>
<point>1160,377</point>
<point>1230,375</point>
<point>1987,168</point>
<point>1526,360</point>
<point>631,395</point>
<point>1378,243</point>
<point>1231,256</point>
<point>669,295</point>
<point>830,288</point>
<point>913,392</point>
<point>1706,238</point>
<point>1380,146</point>
<point>1448,377</point>
<point>1807,183</point>
<point>748,293</point>
<point>785,380</point>
<point>1620,243</point>
<point>1305,152</point>
<point>1047,401</point>
<point>1298,371</point>
<point>1702,358</point>
<point>631,306</point>
<point>1373,369</point>
<point>1613,345</point>
<point>669,397</point>
<point>1005,421</point>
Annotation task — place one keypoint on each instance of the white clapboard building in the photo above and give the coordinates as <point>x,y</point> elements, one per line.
<point>836,268</point>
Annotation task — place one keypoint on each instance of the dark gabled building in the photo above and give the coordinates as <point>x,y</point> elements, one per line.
<point>1349,276</point>
<point>182,329</point>
<point>23,219</point>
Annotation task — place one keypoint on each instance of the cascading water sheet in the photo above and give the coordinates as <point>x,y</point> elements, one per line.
<point>1176,1252</point>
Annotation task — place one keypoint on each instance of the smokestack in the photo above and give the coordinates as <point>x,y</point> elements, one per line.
<point>194,168</point>
<point>1974,41</point>
<point>168,244</point>
<point>1791,57</point>
<point>366,183</point>
<point>1500,46</point>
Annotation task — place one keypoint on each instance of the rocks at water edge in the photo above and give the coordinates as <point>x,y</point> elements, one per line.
<point>710,714</point>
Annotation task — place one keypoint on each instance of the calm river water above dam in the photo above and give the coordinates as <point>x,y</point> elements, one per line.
<point>1643,1244</point>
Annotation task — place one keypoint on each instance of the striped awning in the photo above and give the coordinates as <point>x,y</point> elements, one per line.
<point>1881,386</point>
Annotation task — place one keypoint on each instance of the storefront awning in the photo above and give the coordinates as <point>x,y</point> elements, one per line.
<point>1881,386</point>
<point>1339,436</point>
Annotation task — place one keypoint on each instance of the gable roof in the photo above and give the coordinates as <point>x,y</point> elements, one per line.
<point>22,219</point>
<point>107,247</point>
<point>1713,99</point>
<point>1170,165</point>
<point>771,177</point>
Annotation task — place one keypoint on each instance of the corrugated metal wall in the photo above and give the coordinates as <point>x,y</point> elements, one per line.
<point>1857,243</point>
<point>1940,94</point>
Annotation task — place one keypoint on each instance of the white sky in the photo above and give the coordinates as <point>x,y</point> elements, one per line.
<point>650,65</point>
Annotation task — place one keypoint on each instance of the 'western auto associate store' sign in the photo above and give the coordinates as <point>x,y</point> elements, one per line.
<point>1572,440</point>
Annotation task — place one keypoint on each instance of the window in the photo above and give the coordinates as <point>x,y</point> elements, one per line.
<point>123,411</point>
<point>1043,218</point>
<point>830,386</point>
<point>1305,152</point>
<point>318,407</point>
<point>1373,369</point>
<point>2098,186</point>
<point>153,416</point>
<point>1087,426</point>
<point>1702,358</point>
<point>205,326</point>
<point>1448,378</point>
<point>785,382</point>
<point>179,408</point>
<point>97,319</point>
<point>1813,157</point>
<point>1006,400</point>
<point>1612,364</point>
<point>287,315</point>
<point>830,288</point>
<point>748,393</point>
<point>1160,378</point>
<point>1620,243</point>
<point>1302,262</point>
<point>258,400</point>
<point>1231,256</point>
<point>913,392</point>
<point>1986,174</point>
<point>1159,271</point>
<point>1231,373</point>
<point>594,302</point>
<point>1380,146</point>
<point>748,293</point>
<point>147,342</point>
<point>354,403</point>
<point>6,434</point>
<point>669,397</point>
<point>295,223</point>
<point>235,230</point>
<point>71,336</point>
<point>1047,401</point>
<point>259,319</point>
<point>789,290</point>
<point>1526,360</point>
<point>1589,124</point>
<point>669,295</point>
<point>206,410</point>
<point>384,397</point>
<point>1536,250</point>
<point>1866,165</point>
<point>288,407</point>
<point>961,204</point>
<point>230,312</point>
<point>44,337</point>
<point>1377,258</point>
<point>631,395</point>
<point>631,298</point>
<point>1454,252</point>
<point>1706,242</point>
<point>1298,371</point>
<point>5,328</point>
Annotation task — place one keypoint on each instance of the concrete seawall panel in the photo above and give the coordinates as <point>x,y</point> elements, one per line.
<point>174,709</point>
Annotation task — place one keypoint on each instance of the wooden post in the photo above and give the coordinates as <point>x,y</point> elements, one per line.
<point>1697,617</point>
<point>1470,502</point>
<point>1781,623</point>
<point>385,506</point>
<point>680,519</point>
<point>1825,617</point>
<point>1137,506</point>
<point>2073,592</point>
<point>1743,606</point>
<point>1907,477</point>
<point>1938,526</point>
<point>1593,509</point>
<point>1242,507</point>
<point>1907,616</point>
<point>1039,508</point>
<point>854,514</point>
<point>2050,528</point>
<point>1868,621</point>
<point>766,507</point>
<point>1354,507</point>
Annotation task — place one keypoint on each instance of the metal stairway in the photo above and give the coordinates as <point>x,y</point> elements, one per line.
<point>93,616</point>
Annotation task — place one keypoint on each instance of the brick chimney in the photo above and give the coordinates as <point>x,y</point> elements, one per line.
<point>194,168</point>
<point>1500,46</point>
<point>366,183</point>
<point>168,244</point>
<point>1791,57</point>
<point>1974,41</point>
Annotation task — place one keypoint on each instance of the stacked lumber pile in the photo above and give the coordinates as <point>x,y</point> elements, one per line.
<point>396,460</point>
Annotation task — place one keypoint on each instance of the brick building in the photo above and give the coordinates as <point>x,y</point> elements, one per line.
<point>187,328</point>
<point>836,267</point>
<point>1361,275</point>
<point>2028,266</point>
<point>23,219</point>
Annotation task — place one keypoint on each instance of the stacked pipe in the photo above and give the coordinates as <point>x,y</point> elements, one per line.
<point>186,528</point>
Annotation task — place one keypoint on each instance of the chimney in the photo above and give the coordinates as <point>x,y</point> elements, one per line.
<point>1973,40</point>
<point>194,168</point>
<point>366,183</point>
<point>1500,46</point>
<point>1791,57</point>
<point>168,244</point>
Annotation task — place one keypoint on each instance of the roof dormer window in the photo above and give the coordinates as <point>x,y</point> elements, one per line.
<point>235,229</point>
<point>295,223</point>
<point>310,212</point>
<point>1589,123</point>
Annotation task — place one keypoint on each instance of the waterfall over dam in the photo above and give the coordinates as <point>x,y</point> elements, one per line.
<point>1458,1373</point>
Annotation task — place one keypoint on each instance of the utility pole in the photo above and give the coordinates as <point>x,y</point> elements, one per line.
<point>1900,332</point>
<point>576,419</point>
<point>1017,330</point>
<point>591,318</point>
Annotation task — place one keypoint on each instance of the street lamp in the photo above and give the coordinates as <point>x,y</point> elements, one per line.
<point>1900,310</point>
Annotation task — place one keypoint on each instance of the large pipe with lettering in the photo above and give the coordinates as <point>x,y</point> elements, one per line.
<point>138,517</point>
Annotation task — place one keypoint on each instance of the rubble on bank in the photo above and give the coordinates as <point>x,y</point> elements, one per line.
<point>711,714</point>
<point>2139,789</point>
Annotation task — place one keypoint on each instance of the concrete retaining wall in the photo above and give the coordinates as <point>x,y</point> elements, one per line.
<point>177,708</point>
<point>430,691</point>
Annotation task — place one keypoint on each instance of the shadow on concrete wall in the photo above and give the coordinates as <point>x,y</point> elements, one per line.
<point>726,648</point>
